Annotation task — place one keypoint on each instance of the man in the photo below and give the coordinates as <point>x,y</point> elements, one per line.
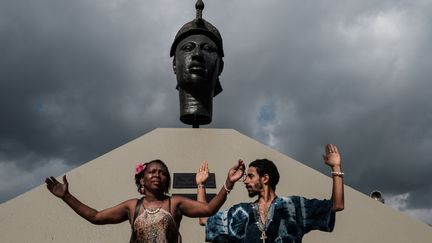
<point>276,219</point>
<point>197,64</point>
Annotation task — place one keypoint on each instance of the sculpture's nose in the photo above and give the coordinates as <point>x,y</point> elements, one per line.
<point>197,55</point>
<point>197,50</point>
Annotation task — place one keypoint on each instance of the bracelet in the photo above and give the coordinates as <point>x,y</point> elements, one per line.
<point>226,188</point>
<point>200,186</point>
<point>337,173</point>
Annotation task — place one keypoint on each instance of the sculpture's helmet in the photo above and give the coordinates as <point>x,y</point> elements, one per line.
<point>200,26</point>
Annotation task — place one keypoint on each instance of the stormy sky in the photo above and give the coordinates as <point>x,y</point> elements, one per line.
<point>80,78</point>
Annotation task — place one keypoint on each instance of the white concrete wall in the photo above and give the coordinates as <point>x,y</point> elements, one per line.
<point>37,216</point>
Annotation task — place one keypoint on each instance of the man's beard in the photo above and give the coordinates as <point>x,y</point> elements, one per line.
<point>252,192</point>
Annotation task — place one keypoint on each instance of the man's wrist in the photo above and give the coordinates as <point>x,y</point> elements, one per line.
<point>336,168</point>
<point>337,171</point>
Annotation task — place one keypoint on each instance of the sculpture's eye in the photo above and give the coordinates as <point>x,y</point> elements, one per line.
<point>188,46</point>
<point>209,48</point>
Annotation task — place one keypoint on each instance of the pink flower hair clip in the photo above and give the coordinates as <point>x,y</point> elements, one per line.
<point>140,167</point>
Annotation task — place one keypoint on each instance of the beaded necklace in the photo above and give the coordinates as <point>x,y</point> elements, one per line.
<point>151,214</point>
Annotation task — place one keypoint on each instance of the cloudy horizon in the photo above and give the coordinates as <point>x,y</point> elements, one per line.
<point>80,78</point>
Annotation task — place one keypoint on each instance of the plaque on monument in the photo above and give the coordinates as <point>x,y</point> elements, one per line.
<point>193,196</point>
<point>187,180</point>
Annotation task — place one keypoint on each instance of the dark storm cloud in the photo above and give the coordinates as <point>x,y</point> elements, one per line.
<point>79,78</point>
<point>71,74</point>
<point>66,76</point>
<point>356,78</point>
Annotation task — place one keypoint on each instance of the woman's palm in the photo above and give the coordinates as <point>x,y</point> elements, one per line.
<point>57,188</point>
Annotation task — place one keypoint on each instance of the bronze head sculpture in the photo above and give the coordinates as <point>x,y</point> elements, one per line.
<point>197,64</point>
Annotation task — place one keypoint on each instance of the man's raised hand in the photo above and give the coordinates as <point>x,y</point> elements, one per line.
<point>332,157</point>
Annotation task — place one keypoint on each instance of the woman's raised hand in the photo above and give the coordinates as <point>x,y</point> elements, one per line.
<point>202,173</point>
<point>235,173</point>
<point>57,188</point>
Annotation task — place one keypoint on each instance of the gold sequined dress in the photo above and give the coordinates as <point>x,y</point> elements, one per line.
<point>155,226</point>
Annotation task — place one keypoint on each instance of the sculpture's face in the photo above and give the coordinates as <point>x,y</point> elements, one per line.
<point>197,63</point>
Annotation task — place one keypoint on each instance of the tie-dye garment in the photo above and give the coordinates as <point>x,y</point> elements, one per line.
<point>290,218</point>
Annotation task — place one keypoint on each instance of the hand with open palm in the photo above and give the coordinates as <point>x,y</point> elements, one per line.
<point>202,173</point>
<point>235,173</point>
<point>332,157</point>
<point>57,188</point>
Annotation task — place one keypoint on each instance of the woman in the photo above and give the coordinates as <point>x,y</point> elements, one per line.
<point>156,216</point>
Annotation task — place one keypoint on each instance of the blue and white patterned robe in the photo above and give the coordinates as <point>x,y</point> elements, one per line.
<point>291,218</point>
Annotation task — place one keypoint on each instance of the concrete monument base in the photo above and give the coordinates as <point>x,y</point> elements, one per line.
<point>37,216</point>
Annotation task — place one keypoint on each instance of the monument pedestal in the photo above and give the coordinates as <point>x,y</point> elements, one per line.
<point>37,216</point>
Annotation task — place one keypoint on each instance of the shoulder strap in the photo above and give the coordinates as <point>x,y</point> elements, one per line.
<point>137,208</point>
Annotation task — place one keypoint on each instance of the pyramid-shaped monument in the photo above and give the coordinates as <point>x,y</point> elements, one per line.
<point>38,216</point>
